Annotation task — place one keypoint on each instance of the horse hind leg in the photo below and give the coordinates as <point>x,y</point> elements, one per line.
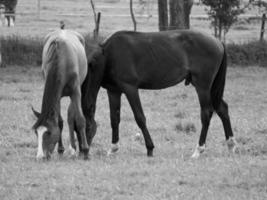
<point>115,105</point>
<point>71,123</point>
<point>206,114</point>
<point>79,120</point>
<point>223,113</point>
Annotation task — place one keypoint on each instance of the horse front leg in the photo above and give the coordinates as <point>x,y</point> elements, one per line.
<point>135,103</point>
<point>115,107</point>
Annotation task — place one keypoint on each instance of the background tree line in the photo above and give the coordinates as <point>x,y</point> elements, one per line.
<point>175,14</point>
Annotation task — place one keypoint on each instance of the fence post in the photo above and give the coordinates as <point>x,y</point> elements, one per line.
<point>96,31</point>
<point>262,26</point>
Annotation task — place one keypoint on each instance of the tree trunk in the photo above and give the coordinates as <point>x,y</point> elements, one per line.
<point>187,11</point>
<point>177,15</point>
<point>163,14</point>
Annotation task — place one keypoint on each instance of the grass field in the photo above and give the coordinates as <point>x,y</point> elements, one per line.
<point>172,117</point>
<point>173,120</point>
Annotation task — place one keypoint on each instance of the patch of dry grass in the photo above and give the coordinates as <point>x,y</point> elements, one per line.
<point>129,174</point>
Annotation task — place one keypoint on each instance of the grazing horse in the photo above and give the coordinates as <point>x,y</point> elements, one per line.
<point>128,61</point>
<point>65,67</point>
<point>10,9</point>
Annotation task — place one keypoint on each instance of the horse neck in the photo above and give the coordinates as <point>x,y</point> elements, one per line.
<point>52,94</point>
<point>90,89</point>
<point>92,83</point>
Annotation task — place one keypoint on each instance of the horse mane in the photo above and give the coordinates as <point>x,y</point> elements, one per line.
<point>52,85</point>
<point>109,38</point>
<point>113,36</point>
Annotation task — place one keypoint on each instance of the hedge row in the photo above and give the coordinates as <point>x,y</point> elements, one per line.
<point>21,51</point>
<point>18,50</point>
<point>250,53</point>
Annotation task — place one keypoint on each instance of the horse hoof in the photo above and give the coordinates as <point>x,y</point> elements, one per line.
<point>80,154</point>
<point>114,148</point>
<point>73,153</point>
<point>149,153</point>
<point>199,150</point>
<point>86,157</point>
<point>234,149</point>
<point>232,145</point>
<point>109,153</point>
<point>137,137</point>
<point>86,154</point>
<point>41,159</point>
<point>195,155</point>
<point>60,152</point>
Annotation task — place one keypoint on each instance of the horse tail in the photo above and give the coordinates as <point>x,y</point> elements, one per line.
<point>217,88</point>
<point>51,53</point>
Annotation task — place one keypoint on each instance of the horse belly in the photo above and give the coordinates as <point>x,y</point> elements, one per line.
<point>163,78</point>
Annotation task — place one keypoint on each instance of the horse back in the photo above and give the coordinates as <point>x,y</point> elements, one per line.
<point>160,60</point>
<point>65,51</point>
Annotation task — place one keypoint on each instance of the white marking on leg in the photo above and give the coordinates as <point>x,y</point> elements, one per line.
<point>232,144</point>
<point>114,148</point>
<point>72,151</point>
<point>12,24</point>
<point>40,132</point>
<point>198,151</point>
<point>138,136</point>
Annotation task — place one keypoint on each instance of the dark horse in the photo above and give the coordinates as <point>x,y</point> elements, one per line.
<point>127,61</point>
<point>64,65</point>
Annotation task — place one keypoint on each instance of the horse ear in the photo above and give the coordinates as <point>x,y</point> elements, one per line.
<point>36,113</point>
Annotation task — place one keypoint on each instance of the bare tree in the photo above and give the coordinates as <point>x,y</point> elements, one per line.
<point>187,11</point>
<point>132,14</point>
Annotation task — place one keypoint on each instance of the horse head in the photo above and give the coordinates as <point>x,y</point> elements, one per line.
<point>48,134</point>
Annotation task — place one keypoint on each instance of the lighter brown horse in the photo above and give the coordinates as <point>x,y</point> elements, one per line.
<point>64,67</point>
